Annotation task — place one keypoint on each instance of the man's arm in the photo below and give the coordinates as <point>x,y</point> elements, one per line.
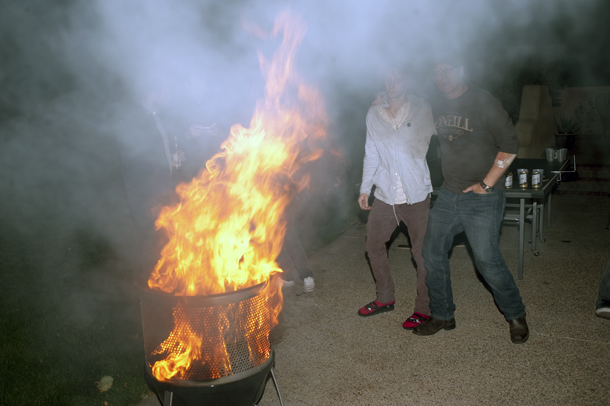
<point>363,201</point>
<point>382,98</point>
<point>505,137</point>
<point>501,164</point>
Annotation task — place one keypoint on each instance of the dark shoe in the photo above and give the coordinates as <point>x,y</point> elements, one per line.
<point>519,332</point>
<point>375,308</point>
<point>433,325</point>
<point>415,320</point>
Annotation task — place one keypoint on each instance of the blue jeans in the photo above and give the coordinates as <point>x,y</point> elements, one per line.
<point>604,288</point>
<point>480,217</point>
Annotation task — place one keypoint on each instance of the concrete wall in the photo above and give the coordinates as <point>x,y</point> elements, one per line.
<point>535,127</point>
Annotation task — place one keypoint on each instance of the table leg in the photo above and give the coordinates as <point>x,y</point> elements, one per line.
<point>548,224</point>
<point>542,223</point>
<point>534,226</point>
<point>521,235</point>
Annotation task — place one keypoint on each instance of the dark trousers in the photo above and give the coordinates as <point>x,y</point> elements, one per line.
<point>293,255</point>
<point>382,223</point>
<point>150,241</point>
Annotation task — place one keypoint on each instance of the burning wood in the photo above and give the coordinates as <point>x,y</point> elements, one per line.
<point>228,228</point>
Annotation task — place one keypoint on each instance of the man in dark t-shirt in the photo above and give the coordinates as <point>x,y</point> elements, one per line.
<point>193,126</point>
<point>472,129</point>
<point>478,142</point>
<point>146,167</point>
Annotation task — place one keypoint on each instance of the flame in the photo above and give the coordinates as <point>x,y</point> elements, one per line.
<point>228,228</point>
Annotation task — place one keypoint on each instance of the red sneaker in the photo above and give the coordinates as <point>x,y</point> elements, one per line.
<point>415,320</point>
<point>375,308</point>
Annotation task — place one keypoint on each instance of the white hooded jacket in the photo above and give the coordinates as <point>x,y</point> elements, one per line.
<point>390,153</point>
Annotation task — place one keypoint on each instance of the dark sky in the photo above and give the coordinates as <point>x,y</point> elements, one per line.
<point>52,47</point>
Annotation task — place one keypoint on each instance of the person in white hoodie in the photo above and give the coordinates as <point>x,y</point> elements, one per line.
<point>397,140</point>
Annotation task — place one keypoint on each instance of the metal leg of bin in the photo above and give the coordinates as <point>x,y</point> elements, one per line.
<point>521,235</point>
<point>277,388</point>
<point>168,398</point>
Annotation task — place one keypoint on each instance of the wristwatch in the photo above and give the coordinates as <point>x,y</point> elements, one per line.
<point>485,187</point>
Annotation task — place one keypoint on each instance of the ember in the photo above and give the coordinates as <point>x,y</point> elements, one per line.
<point>228,228</point>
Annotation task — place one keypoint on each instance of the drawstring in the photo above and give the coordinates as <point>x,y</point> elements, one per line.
<point>394,210</point>
<point>395,216</point>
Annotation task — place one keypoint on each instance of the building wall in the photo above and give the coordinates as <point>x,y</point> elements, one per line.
<point>581,102</point>
<point>535,126</point>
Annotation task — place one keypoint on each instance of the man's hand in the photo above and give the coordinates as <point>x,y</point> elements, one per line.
<point>363,202</point>
<point>477,188</point>
<point>380,99</point>
<point>196,130</point>
<point>501,164</point>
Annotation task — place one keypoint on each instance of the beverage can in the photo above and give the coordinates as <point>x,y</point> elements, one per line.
<point>509,180</point>
<point>523,177</point>
<point>536,179</point>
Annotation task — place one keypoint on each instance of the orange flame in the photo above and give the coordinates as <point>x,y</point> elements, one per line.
<point>228,228</point>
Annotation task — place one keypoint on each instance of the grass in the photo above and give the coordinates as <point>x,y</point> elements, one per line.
<point>60,330</point>
<point>69,314</point>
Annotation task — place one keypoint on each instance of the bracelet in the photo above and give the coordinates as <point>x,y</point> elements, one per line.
<point>485,187</point>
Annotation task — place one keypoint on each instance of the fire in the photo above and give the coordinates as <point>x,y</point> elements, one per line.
<point>228,228</point>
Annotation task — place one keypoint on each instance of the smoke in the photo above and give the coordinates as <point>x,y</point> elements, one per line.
<point>67,65</point>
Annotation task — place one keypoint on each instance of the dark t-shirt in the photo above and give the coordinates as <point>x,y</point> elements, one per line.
<point>472,129</point>
<point>144,164</point>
